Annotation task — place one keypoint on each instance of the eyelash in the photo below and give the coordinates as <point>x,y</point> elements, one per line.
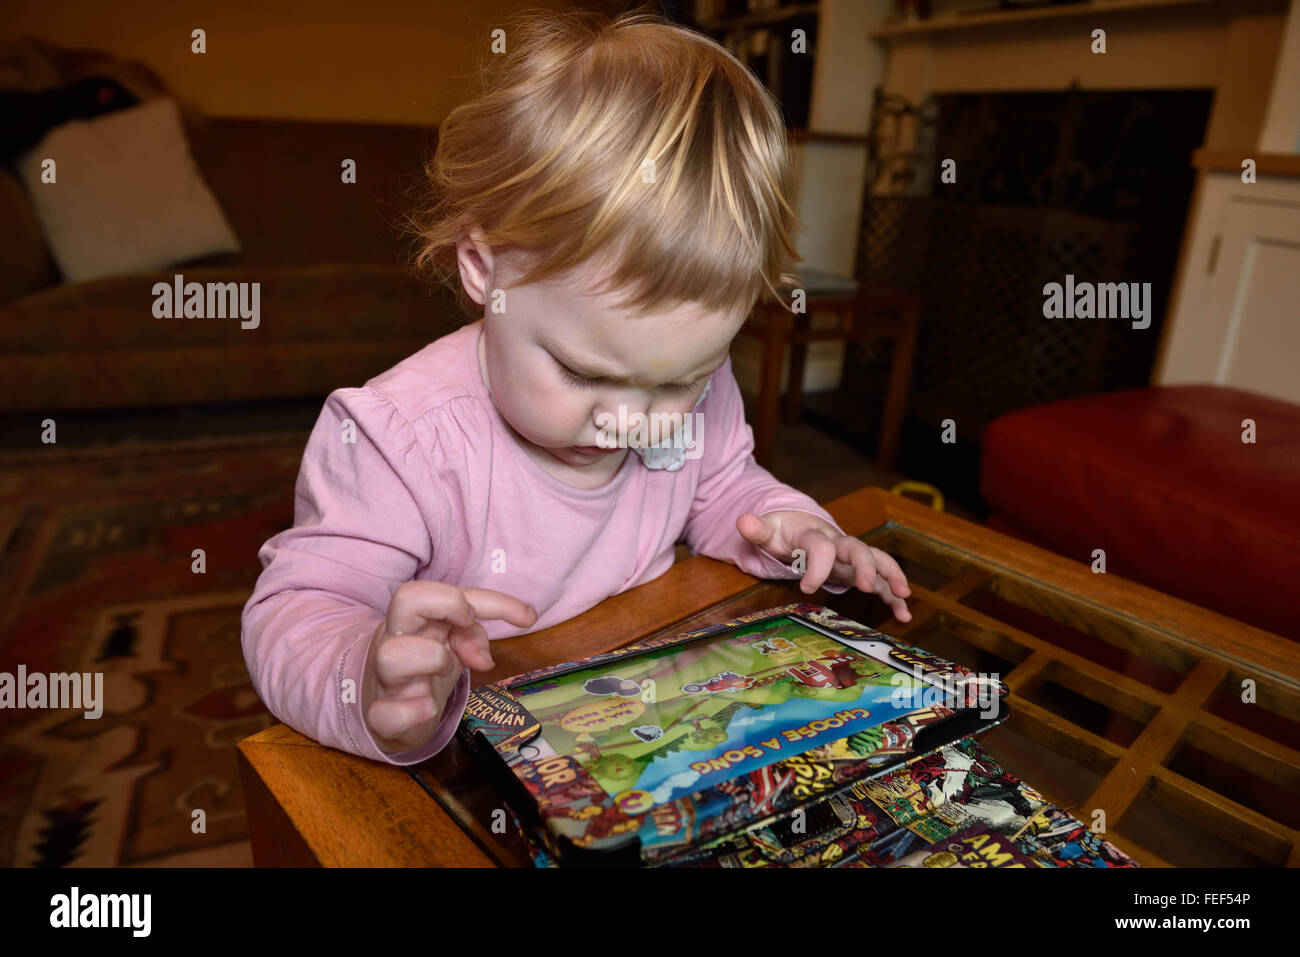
<point>584,383</point>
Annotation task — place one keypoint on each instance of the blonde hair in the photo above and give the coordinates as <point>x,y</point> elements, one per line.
<point>630,143</point>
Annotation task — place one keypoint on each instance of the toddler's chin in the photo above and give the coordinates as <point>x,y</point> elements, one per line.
<point>566,453</point>
<point>578,455</point>
<point>570,453</point>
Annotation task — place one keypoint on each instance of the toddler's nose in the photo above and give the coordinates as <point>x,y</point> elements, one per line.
<point>621,421</point>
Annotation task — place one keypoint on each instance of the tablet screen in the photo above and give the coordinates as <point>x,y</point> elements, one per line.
<point>672,721</point>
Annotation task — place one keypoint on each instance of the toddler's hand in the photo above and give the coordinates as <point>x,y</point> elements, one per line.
<point>426,640</point>
<point>831,557</point>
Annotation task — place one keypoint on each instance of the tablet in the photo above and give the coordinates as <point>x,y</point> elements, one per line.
<point>663,748</point>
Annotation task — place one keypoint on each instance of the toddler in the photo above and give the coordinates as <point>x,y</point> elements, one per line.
<point>613,205</point>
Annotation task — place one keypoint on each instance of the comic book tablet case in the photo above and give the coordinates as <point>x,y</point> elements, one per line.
<point>956,807</point>
<point>591,823</point>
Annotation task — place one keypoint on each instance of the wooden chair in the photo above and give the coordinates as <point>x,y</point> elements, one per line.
<point>887,314</point>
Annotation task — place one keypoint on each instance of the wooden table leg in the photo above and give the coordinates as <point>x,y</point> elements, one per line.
<point>775,333</point>
<point>900,384</point>
<point>794,380</point>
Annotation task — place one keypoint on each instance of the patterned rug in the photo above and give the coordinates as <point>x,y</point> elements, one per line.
<point>97,575</point>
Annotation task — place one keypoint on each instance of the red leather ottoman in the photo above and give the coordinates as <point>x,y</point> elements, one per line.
<point>1161,479</point>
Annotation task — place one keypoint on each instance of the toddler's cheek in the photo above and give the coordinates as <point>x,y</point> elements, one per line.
<point>548,422</point>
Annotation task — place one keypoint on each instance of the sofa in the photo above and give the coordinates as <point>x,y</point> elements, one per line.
<point>1188,489</point>
<point>337,303</point>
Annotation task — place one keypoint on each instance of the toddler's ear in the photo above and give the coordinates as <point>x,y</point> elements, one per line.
<point>475,261</point>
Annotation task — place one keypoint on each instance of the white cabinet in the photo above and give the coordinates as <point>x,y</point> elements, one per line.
<point>1236,318</point>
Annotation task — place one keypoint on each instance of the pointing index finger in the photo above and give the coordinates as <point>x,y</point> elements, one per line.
<point>492,604</point>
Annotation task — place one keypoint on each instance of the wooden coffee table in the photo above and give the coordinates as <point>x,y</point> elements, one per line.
<point>1124,700</point>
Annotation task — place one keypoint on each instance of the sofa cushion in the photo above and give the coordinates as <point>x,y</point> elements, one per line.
<point>31,114</point>
<point>28,63</point>
<point>328,302</point>
<point>320,328</point>
<point>128,196</point>
<point>1161,480</point>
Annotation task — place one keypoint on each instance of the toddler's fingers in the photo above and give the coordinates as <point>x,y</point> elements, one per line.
<point>472,647</point>
<point>392,717</point>
<point>400,659</point>
<point>891,571</point>
<point>489,603</point>
<point>890,584</point>
<point>820,552</point>
<point>756,529</point>
<point>417,604</point>
<point>855,562</point>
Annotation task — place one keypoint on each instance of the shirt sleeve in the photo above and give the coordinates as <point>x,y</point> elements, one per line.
<point>326,582</point>
<point>732,483</point>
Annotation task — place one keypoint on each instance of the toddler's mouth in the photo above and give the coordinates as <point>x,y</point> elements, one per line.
<point>593,449</point>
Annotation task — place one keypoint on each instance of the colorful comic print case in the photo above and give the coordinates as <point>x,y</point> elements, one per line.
<point>667,748</point>
<point>956,807</point>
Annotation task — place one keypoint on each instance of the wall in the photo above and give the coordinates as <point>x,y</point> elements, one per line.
<point>1281,132</point>
<point>398,61</point>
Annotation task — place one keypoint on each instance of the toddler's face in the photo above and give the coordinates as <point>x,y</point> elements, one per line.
<point>560,355</point>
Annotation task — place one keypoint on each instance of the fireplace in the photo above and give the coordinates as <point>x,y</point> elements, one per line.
<point>1091,185</point>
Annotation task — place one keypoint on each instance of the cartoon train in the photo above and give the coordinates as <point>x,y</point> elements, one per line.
<point>829,672</point>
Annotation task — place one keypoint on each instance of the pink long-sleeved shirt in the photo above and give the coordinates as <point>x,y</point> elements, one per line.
<point>435,488</point>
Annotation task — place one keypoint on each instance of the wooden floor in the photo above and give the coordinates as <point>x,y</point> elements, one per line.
<point>819,465</point>
<point>825,467</point>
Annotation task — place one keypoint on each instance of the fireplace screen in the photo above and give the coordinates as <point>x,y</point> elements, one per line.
<point>1092,185</point>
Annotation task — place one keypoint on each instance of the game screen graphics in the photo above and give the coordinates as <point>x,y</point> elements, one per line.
<point>674,721</point>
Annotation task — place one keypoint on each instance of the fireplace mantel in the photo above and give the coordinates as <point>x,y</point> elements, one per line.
<point>1230,46</point>
<point>1013,19</point>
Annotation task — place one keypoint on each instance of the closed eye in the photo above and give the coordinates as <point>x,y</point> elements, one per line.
<point>586,382</point>
<point>580,381</point>
<point>681,386</point>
